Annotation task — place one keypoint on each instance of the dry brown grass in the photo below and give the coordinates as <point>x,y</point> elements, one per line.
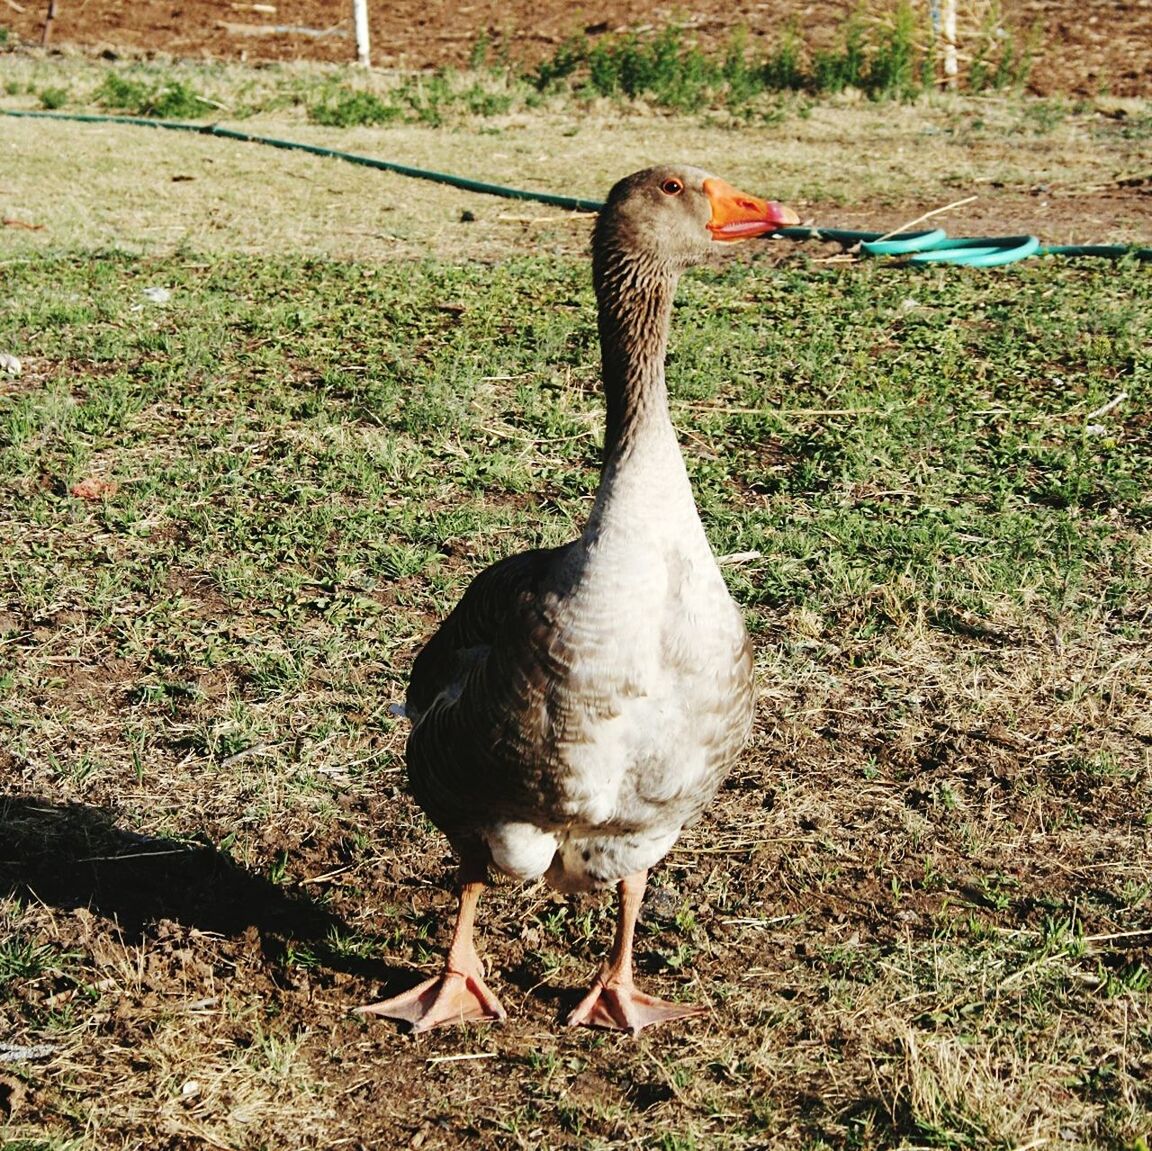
<point>1041,168</point>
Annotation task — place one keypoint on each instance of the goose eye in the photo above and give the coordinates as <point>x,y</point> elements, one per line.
<point>672,187</point>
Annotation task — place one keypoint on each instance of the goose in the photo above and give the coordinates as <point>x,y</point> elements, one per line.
<point>581,704</point>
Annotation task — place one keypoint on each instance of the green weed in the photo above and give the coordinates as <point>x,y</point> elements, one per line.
<point>163,99</point>
<point>21,958</point>
<point>53,98</point>
<point>348,109</point>
<point>999,59</point>
<point>891,54</point>
<point>420,99</point>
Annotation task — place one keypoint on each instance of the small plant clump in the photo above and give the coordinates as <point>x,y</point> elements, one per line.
<point>53,98</point>
<point>423,99</point>
<point>345,109</point>
<point>166,100</point>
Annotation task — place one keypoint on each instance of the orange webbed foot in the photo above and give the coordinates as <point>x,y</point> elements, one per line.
<point>620,1007</point>
<point>449,999</point>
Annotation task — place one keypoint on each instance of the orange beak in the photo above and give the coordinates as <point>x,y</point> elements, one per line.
<point>737,216</point>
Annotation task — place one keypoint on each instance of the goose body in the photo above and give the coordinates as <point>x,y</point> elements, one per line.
<point>600,689</point>
<point>582,704</point>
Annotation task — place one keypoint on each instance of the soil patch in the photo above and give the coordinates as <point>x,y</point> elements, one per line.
<point>1089,48</point>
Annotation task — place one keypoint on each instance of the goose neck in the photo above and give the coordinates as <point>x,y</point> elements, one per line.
<point>635,311</point>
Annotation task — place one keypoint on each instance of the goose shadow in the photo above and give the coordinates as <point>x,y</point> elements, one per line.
<point>72,855</point>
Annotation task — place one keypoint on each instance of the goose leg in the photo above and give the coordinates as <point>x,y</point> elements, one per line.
<point>613,1000</point>
<point>459,992</point>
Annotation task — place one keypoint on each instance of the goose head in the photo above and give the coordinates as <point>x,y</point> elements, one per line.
<point>672,215</point>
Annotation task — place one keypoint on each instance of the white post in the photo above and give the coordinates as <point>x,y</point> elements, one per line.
<point>360,15</point>
<point>949,21</point>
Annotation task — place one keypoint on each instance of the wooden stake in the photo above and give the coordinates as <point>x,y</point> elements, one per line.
<point>48,24</point>
<point>360,16</point>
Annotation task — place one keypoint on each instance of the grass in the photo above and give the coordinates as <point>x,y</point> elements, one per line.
<point>920,910</point>
<point>313,457</point>
<point>843,163</point>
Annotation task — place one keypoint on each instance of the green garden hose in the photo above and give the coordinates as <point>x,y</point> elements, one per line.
<point>315,150</point>
<point>931,247</point>
<point>937,247</point>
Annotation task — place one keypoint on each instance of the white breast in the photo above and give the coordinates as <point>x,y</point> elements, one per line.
<point>643,714</point>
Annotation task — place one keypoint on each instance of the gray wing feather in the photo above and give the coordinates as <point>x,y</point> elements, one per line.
<point>481,700</point>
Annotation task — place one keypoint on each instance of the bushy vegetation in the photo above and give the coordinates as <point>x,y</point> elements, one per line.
<point>888,56</point>
<point>420,99</point>
<point>140,96</point>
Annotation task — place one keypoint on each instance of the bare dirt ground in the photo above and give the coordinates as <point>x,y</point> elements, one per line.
<point>1085,49</point>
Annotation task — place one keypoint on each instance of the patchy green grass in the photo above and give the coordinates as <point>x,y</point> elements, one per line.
<point>921,910</point>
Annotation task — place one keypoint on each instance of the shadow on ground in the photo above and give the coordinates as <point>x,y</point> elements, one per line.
<point>71,855</point>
